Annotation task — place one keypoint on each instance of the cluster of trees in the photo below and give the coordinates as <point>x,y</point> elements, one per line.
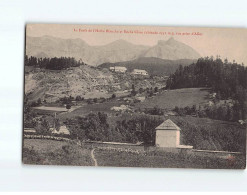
<point>212,136</point>
<point>36,103</point>
<point>68,100</point>
<point>95,127</point>
<point>28,116</point>
<point>221,112</point>
<point>186,111</point>
<point>228,80</point>
<point>79,98</point>
<point>224,111</point>
<point>43,126</point>
<point>149,91</point>
<point>52,63</point>
<point>32,120</point>
<point>198,133</point>
<point>138,129</point>
<point>91,127</point>
<point>154,111</point>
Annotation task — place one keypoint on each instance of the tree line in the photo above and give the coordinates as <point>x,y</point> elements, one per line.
<point>95,127</point>
<point>228,80</point>
<point>52,63</point>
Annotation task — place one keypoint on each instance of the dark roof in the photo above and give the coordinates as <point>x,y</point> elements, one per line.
<point>167,125</point>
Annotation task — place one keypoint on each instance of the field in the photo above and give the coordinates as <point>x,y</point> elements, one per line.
<point>160,159</point>
<point>88,108</point>
<point>177,97</point>
<point>49,152</point>
<point>165,100</point>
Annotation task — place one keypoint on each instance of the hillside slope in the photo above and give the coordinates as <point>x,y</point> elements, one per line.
<point>85,81</point>
<point>52,85</point>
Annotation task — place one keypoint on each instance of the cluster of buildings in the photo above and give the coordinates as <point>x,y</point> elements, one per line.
<point>122,69</point>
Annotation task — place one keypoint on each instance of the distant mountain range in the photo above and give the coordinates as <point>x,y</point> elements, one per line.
<point>117,51</point>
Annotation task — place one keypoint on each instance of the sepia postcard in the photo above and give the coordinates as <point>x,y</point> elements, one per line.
<point>135,96</point>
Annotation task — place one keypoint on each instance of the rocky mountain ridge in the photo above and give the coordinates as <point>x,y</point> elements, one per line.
<point>117,51</point>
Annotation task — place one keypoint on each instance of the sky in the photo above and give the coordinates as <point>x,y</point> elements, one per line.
<point>230,43</point>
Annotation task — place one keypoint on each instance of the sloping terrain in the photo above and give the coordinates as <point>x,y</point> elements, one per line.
<point>85,81</point>
<point>50,152</point>
<point>51,85</point>
<point>178,97</point>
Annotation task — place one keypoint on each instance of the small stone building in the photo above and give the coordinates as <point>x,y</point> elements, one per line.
<point>121,69</point>
<point>139,72</point>
<point>167,134</point>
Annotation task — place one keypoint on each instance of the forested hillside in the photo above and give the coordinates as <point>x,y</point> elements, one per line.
<point>52,63</point>
<point>228,80</point>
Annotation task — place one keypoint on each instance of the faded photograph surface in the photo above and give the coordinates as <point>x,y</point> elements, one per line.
<point>135,96</point>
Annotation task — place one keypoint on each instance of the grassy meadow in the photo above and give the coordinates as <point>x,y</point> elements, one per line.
<point>50,152</point>
<point>159,159</point>
<point>177,97</point>
<point>165,100</point>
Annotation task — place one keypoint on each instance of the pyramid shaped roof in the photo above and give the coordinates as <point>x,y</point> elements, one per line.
<point>168,125</point>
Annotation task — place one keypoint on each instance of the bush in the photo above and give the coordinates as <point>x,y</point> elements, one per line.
<point>95,100</point>
<point>79,98</point>
<point>154,111</point>
<point>113,96</point>
<point>102,99</point>
<point>68,106</point>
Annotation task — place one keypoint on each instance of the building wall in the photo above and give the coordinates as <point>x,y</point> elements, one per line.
<point>118,69</point>
<point>178,138</point>
<point>167,138</point>
<point>139,72</point>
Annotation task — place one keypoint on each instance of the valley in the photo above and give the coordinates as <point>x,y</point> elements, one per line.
<point>85,99</point>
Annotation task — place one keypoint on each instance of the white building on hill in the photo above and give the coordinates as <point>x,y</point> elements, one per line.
<point>121,69</point>
<point>168,135</point>
<point>139,72</point>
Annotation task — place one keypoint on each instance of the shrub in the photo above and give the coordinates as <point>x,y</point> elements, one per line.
<point>113,96</point>
<point>68,106</point>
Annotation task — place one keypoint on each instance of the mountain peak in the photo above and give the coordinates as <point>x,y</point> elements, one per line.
<point>120,42</point>
<point>172,49</point>
<point>171,40</point>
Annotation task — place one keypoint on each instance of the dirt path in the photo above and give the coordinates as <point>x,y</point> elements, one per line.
<point>93,157</point>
